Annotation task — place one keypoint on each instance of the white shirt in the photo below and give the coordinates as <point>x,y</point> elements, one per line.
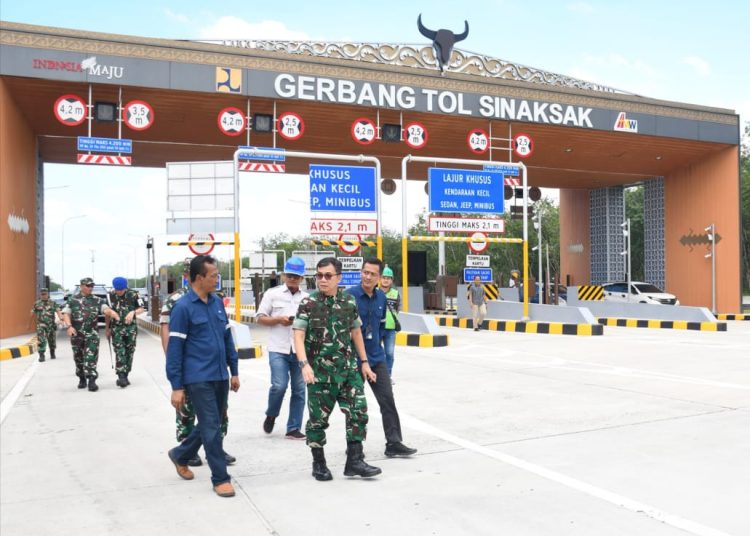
<point>279,301</point>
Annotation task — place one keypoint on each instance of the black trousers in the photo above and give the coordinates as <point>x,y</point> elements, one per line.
<point>383,392</point>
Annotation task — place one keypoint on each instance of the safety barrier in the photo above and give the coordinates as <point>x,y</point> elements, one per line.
<point>590,293</point>
<point>14,352</point>
<point>255,351</point>
<point>721,316</point>
<point>490,291</point>
<point>662,324</point>
<point>517,326</point>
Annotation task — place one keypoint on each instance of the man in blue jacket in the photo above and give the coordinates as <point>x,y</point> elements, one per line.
<point>371,304</point>
<point>200,350</point>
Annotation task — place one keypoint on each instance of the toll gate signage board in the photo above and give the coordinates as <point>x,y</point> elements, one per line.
<point>279,155</point>
<point>363,131</point>
<point>350,279</point>
<point>478,141</point>
<point>231,121</point>
<point>337,226</point>
<point>477,261</point>
<point>105,145</point>
<point>290,126</point>
<point>342,189</point>
<point>465,191</point>
<point>508,171</point>
<point>351,263</point>
<point>448,224</point>
<point>485,275</point>
<point>138,115</point>
<point>70,110</point>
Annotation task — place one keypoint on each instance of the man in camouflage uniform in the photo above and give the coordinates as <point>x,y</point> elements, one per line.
<point>45,310</point>
<point>81,314</point>
<point>185,417</point>
<point>327,324</point>
<point>126,302</point>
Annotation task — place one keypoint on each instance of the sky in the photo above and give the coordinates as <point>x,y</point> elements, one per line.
<point>684,51</point>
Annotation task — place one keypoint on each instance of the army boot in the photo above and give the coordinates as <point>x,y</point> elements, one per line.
<point>52,353</point>
<point>127,381</point>
<point>320,469</point>
<point>81,382</point>
<point>121,380</point>
<point>92,385</point>
<point>41,357</point>
<point>355,462</point>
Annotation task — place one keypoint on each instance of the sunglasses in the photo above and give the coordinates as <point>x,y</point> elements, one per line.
<point>90,286</point>
<point>327,276</point>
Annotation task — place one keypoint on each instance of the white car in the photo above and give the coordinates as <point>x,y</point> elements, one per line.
<point>639,293</point>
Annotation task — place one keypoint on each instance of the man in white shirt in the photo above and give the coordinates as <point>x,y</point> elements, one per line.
<point>277,310</point>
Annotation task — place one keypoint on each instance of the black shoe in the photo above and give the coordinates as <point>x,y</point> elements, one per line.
<point>320,469</point>
<point>121,380</point>
<point>295,434</point>
<point>127,381</point>
<point>52,354</point>
<point>195,461</point>
<point>476,329</point>
<point>229,458</point>
<point>355,462</point>
<point>82,383</point>
<point>92,385</point>
<point>268,424</point>
<point>393,450</point>
<point>41,357</point>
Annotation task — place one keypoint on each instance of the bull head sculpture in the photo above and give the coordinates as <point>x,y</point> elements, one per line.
<point>442,41</point>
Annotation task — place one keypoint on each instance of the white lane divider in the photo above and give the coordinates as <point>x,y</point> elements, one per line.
<point>9,401</point>
<point>618,500</point>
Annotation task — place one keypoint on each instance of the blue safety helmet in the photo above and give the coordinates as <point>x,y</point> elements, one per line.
<point>295,266</point>
<point>120,283</point>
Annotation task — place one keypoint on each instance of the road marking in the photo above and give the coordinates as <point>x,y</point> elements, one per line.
<point>618,500</point>
<point>9,401</point>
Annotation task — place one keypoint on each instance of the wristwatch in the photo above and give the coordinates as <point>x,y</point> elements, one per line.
<point>303,363</point>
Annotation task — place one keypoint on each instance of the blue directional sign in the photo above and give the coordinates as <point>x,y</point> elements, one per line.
<point>485,274</point>
<point>466,191</point>
<point>278,156</point>
<point>105,145</point>
<point>342,189</point>
<point>350,279</point>
<point>508,171</point>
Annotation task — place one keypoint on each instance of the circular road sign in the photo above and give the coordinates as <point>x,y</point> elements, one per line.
<point>231,121</point>
<point>416,135</point>
<point>291,126</point>
<point>138,115</point>
<point>201,237</point>
<point>363,131</point>
<point>350,250</point>
<point>478,247</point>
<point>523,145</point>
<point>70,110</point>
<point>478,141</point>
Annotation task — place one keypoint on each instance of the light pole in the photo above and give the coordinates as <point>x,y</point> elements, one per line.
<point>538,226</point>
<point>626,232</point>
<point>62,248</point>
<point>92,265</point>
<point>711,230</point>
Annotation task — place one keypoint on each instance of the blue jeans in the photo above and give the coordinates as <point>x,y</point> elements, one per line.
<point>389,345</point>
<point>284,367</point>
<point>209,401</point>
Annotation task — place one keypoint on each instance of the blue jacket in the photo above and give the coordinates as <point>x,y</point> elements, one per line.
<point>200,342</point>
<point>372,312</point>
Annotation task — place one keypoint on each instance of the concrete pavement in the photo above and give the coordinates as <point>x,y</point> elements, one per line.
<point>635,432</point>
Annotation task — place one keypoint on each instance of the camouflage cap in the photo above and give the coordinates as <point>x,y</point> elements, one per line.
<point>87,281</point>
<point>43,290</point>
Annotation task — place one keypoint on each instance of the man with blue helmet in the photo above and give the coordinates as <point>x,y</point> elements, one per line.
<point>277,311</point>
<point>124,331</point>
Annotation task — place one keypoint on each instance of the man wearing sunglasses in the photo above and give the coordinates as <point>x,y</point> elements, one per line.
<point>277,311</point>
<point>80,315</point>
<point>327,324</point>
<point>371,302</point>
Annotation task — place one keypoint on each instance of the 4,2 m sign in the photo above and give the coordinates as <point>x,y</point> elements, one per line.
<point>325,226</point>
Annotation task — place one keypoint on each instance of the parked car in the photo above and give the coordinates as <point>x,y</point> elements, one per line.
<point>640,292</point>
<point>142,297</point>
<point>99,290</point>
<point>58,296</point>
<point>563,291</point>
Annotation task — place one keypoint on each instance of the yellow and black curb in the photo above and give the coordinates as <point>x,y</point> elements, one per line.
<point>662,324</point>
<point>245,318</point>
<point>436,312</point>
<point>254,352</point>
<point>422,340</point>
<point>150,325</point>
<point>732,317</point>
<point>517,326</point>
<point>14,352</point>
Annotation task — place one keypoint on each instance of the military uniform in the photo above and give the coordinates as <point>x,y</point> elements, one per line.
<point>83,311</point>
<point>327,322</point>
<point>124,335</point>
<point>185,416</point>
<point>45,312</point>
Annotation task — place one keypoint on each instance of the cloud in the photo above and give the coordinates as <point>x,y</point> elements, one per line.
<point>177,17</point>
<point>699,65</point>
<point>580,7</point>
<point>230,27</point>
